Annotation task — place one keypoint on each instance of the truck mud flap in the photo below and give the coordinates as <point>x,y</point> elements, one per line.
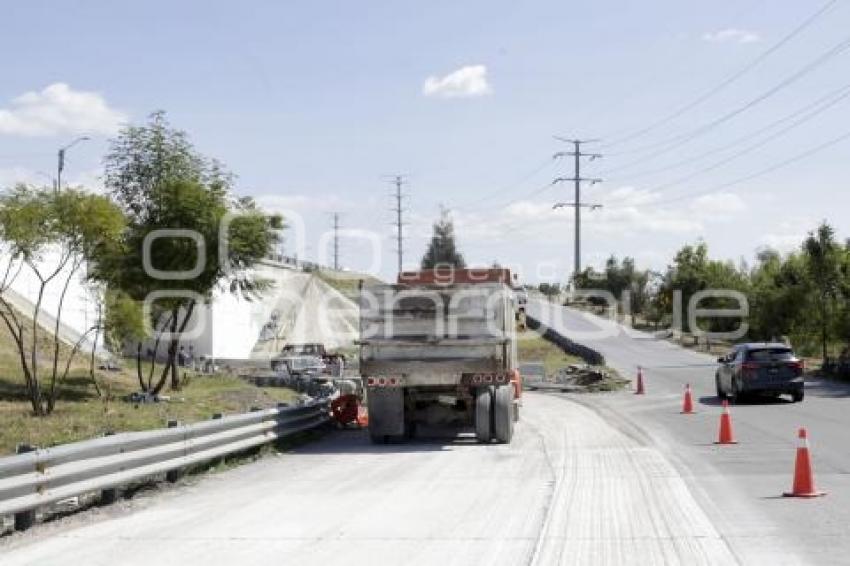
<point>386,411</point>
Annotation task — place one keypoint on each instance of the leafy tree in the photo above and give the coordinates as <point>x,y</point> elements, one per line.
<point>824,261</point>
<point>779,296</point>
<point>549,290</point>
<point>618,278</point>
<point>71,227</point>
<point>442,250</point>
<point>692,271</point>
<point>163,183</point>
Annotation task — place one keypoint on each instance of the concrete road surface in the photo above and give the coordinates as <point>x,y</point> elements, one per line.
<point>571,489</point>
<point>739,486</point>
<point>589,479</point>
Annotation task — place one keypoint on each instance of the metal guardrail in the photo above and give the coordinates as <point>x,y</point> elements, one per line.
<point>42,477</point>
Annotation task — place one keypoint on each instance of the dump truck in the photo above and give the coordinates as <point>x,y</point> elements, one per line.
<point>439,348</point>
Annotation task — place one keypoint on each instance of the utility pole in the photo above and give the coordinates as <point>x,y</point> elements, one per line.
<point>577,179</point>
<point>398,210</point>
<point>399,224</point>
<point>336,241</point>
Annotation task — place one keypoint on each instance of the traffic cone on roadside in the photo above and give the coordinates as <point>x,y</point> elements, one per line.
<point>726,436</point>
<point>688,403</point>
<point>362,416</point>
<point>639,386</point>
<point>804,478</point>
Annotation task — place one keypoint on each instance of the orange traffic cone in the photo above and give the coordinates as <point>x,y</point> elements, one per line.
<point>362,416</point>
<point>688,403</point>
<point>726,436</point>
<point>639,387</point>
<point>804,478</point>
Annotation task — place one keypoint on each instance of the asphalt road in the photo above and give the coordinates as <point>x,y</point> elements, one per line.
<point>589,479</point>
<point>738,486</point>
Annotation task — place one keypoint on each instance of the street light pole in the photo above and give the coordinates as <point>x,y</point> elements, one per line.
<point>60,164</point>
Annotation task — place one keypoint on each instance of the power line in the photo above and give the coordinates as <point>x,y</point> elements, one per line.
<point>805,118</point>
<point>577,179</point>
<point>676,141</point>
<point>728,80</point>
<point>506,188</point>
<point>760,173</point>
<point>533,193</point>
<point>828,99</point>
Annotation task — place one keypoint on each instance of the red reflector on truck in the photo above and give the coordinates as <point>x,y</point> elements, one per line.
<point>395,381</point>
<point>478,378</point>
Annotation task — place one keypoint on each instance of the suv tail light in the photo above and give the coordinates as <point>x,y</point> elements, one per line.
<point>798,366</point>
<point>749,369</point>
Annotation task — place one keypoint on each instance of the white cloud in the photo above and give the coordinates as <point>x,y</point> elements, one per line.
<point>789,234</point>
<point>11,176</point>
<point>302,203</point>
<point>731,35</point>
<point>633,212</point>
<point>718,205</point>
<point>466,82</point>
<point>89,180</point>
<point>58,109</point>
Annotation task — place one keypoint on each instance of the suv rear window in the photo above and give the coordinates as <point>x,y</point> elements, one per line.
<point>770,355</point>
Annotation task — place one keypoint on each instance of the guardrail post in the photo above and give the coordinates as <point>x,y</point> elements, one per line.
<point>220,460</point>
<point>110,495</point>
<point>255,450</point>
<point>173,476</point>
<point>24,519</point>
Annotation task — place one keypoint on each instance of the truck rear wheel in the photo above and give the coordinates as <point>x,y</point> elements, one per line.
<point>483,413</point>
<point>503,414</point>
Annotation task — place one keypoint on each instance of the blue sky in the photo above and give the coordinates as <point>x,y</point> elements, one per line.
<point>313,104</point>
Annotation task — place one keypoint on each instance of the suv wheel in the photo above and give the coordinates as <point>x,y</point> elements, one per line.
<point>720,394</point>
<point>797,396</point>
<point>735,394</point>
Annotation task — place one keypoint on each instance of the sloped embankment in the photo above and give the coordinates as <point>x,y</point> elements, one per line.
<point>589,355</point>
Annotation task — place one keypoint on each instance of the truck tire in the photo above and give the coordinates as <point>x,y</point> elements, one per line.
<point>483,413</point>
<point>503,414</point>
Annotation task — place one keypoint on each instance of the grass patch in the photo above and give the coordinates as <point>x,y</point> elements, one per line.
<point>81,414</point>
<point>531,347</point>
<point>347,283</point>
